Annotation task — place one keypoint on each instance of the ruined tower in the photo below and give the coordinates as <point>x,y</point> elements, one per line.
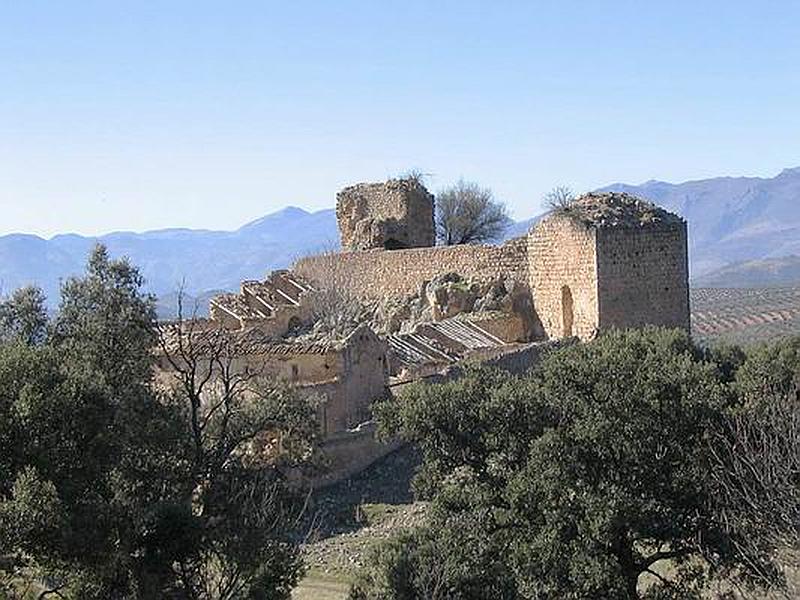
<point>609,260</point>
<point>392,215</point>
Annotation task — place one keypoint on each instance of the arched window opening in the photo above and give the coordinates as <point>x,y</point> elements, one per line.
<point>294,325</point>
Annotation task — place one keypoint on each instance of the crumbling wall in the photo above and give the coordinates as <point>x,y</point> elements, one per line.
<point>347,376</point>
<point>295,367</point>
<point>377,274</point>
<point>356,376</point>
<point>507,327</point>
<point>226,318</point>
<point>391,215</point>
<point>365,374</point>
<point>563,277</point>
<point>350,452</point>
<point>274,306</point>
<point>643,276</point>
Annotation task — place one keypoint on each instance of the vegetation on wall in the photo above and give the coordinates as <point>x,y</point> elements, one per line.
<point>559,198</point>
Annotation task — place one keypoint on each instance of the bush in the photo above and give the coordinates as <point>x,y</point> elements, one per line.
<point>588,473</point>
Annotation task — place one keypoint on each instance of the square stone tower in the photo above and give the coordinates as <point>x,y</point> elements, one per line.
<point>392,215</point>
<point>609,260</point>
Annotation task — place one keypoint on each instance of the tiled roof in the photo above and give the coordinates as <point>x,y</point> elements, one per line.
<point>206,339</point>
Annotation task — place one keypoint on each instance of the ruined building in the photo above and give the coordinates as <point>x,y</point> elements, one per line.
<point>392,215</point>
<point>607,260</point>
<point>273,306</point>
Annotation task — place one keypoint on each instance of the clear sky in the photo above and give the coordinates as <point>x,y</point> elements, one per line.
<point>140,115</point>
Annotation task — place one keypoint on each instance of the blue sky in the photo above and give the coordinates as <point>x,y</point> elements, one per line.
<point>141,115</point>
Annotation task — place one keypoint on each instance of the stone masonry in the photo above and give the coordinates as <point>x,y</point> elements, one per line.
<point>607,260</point>
<point>391,215</point>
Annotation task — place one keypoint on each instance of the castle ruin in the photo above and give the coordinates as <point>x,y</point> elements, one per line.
<point>390,216</point>
<point>607,260</point>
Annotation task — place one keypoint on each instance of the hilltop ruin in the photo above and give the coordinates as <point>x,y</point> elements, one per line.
<point>390,216</point>
<point>415,310</point>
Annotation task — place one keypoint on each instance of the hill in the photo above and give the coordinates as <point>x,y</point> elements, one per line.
<point>767,272</point>
<point>745,316</point>
<point>197,260</point>
<point>732,219</point>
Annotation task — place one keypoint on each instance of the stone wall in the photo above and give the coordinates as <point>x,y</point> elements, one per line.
<point>508,327</point>
<point>347,377</point>
<point>378,274</point>
<point>391,215</point>
<point>563,277</point>
<point>349,452</point>
<point>357,376</point>
<point>643,277</point>
<point>364,377</point>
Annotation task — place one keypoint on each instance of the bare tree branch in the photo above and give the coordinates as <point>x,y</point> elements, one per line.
<point>467,214</point>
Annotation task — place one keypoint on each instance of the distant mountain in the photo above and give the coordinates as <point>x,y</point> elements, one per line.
<point>732,219</point>
<point>750,221</point>
<point>769,272</point>
<point>167,306</point>
<point>518,228</point>
<point>198,260</point>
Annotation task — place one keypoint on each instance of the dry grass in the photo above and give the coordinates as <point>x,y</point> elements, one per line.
<point>318,586</point>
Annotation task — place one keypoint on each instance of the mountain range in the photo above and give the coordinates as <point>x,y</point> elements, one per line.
<point>732,219</point>
<point>741,229</point>
<point>759,273</point>
<point>171,259</point>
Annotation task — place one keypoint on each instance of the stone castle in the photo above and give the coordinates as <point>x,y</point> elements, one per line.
<point>606,260</point>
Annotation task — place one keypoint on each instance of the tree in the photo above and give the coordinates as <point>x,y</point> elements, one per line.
<point>757,465</point>
<point>57,454</point>
<point>467,214</point>
<point>81,429</point>
<point>23,316</point>
<point>559,198</point>
<point>241,433</point>
<point>454,559</point>
<point>593,469</point>
<point>415,175</point>
<point>116,488</point>
<point>106,319</point>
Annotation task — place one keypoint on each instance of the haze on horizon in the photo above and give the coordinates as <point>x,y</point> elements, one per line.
<point>125,116</point>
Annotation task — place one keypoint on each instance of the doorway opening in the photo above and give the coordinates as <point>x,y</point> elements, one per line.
<point>393,244</point>
<point>567,316</point>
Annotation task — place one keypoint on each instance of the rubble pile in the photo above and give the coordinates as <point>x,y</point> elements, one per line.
<point>617,209</point>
